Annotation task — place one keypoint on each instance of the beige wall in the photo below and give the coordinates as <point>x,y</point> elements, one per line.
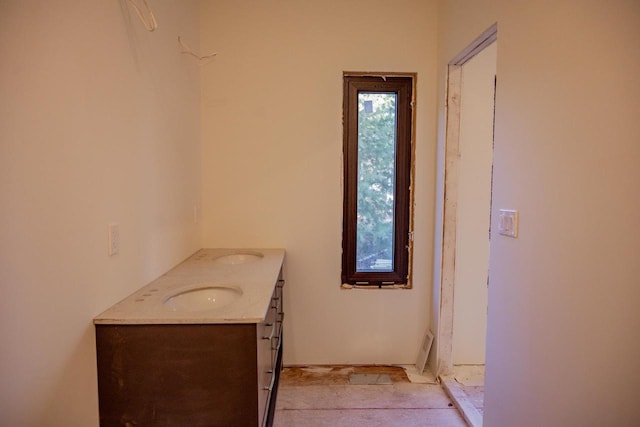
<point>563,317</point>
<point>272,148</point>
<point>99,123</point>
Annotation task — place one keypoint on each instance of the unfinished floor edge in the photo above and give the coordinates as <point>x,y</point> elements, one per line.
<point>469,412</point>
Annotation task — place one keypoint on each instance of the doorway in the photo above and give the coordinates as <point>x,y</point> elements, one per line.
<point>467,211</point>
<point>473,213</point>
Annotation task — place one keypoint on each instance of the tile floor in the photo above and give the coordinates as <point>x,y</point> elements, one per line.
<point>323,396</point>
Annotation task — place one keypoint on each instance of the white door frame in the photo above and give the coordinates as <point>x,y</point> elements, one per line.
<point>451,165</point>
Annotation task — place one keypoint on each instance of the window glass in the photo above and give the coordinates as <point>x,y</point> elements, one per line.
<point>376,181</point>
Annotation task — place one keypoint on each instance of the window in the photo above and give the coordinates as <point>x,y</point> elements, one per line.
<point>377,148</point>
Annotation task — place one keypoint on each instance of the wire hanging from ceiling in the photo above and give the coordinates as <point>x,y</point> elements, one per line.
<point>149,21</point>
<point>188,51</point>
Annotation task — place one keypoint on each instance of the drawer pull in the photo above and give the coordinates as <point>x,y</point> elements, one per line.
<point>273,381</point>
<point>273,331</point>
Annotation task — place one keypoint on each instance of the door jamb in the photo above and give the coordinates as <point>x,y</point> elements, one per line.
<point>444,362</point>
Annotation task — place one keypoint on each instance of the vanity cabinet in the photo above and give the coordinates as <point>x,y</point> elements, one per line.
<point>214,374</point>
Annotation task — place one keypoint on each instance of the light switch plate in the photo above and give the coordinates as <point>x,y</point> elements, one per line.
<point>508,222</point>
<point>114,239</point>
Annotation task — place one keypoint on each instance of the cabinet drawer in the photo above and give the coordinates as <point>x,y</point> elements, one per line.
<point>277,305</point>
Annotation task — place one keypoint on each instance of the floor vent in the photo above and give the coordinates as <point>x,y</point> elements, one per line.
<point>370,379</point>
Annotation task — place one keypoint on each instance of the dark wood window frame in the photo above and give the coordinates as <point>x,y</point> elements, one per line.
<point>404,86</point>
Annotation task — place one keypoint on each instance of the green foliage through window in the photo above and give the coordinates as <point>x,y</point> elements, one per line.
<point>376,181</point>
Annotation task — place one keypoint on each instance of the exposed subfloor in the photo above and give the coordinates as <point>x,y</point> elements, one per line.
<point>471,380</point>
<point>476,396</point>
<point>324,396</point>
<point>466,388</point>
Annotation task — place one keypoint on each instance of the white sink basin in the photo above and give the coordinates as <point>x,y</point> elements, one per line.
<point>202,298</point>
<point>239,258</point>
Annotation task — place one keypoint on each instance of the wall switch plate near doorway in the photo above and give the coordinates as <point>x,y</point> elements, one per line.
<point>508,222</point>
<point>114,239</point>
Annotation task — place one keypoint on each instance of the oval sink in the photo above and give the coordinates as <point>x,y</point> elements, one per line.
<point>203,298</point>
<point>239,258</point>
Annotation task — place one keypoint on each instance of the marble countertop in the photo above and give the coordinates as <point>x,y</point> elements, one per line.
<point>207,267</point>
